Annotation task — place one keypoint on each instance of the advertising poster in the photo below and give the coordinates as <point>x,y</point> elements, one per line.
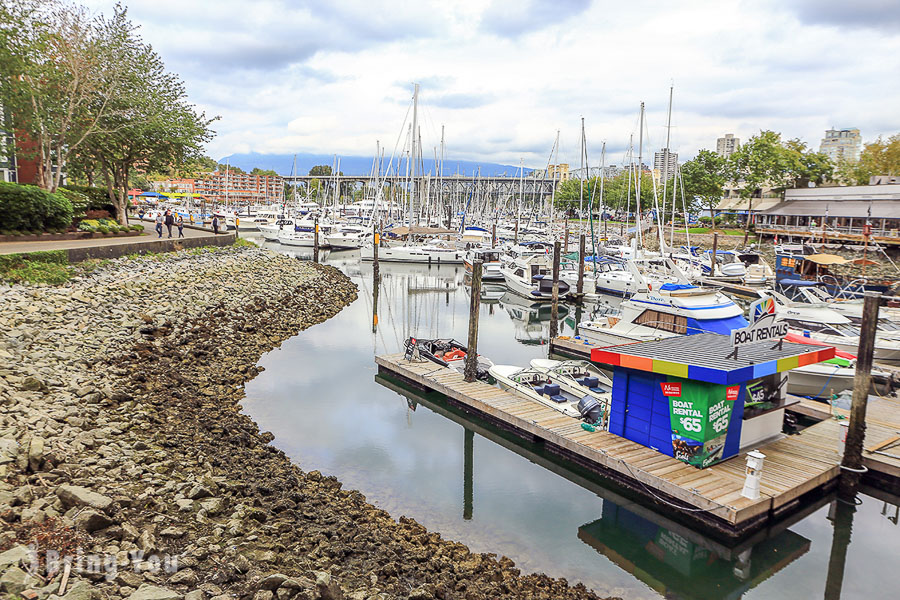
<point>699,415</point>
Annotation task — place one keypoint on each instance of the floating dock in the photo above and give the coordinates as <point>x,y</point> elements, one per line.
<point>796,467</point>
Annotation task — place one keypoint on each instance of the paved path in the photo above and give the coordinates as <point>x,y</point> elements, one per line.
<point>148,236</point>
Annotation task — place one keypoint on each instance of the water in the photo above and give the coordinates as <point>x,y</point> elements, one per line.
<point>411,455</point>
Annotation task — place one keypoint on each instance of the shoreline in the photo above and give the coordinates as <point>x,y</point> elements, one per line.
<point>130,443</point>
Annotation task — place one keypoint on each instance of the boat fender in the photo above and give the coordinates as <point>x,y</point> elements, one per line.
<point>588,427</point>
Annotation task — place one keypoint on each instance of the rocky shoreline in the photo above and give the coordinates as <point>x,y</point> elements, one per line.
<point>123,450</point>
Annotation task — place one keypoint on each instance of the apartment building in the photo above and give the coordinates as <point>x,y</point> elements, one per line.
<point>231,187</point>
<point>842,145</point>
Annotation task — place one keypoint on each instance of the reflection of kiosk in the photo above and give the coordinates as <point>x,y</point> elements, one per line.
<point>686,397</point>
<point>676,566</point>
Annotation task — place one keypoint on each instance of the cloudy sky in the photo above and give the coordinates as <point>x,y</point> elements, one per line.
<point>502,76</point>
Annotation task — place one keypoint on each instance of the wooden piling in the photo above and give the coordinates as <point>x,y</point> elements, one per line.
<point>842,521</point>
<point>554,307</point>
<point>566,233</point>
<point>316,240</point>
<point>474,304</point>
<point>851,464</point>
<point>714,258</point>
<point>494,236</point>
<point>580,289</point>
<point>376,236</point>
<point>468,469</point>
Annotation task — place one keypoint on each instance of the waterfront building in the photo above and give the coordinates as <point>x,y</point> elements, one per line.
<point>726,146</point>
<point>233,187</point>
<point>665,162</point>
<point>841,145</point>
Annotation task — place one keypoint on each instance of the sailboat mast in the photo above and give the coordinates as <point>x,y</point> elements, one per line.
<point>581,188</point>
<point>665,173</point>
<point>640,175</point>
<point>413,155</point>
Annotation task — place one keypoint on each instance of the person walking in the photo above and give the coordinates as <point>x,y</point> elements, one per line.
<point>170,220</point>
<point>215,224</point>
<point>180,223</point>
<point>159,224</point>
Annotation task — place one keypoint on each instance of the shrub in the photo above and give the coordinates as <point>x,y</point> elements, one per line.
<point>98,198</point>
<point>97,214</point>
<point>27,207</point>
<point>102,229</point>
<point>136,227</point>
<point>79,201</point>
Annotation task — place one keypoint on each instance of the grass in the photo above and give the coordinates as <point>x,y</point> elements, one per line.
<point>244,243</point>
<point>51,267</point>
<point>722,231</point>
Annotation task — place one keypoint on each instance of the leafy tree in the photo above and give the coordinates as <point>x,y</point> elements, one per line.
<point>877,158</point>
<point>805,166</point>
<point>222,167</point>
<point>704,179</point>
<point>151,123</point>
<point>320,171</point>
<point>263,172</point>
<point>59,74</point>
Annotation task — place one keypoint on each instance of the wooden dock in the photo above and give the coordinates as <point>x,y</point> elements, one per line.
<point>571,347</point>
<point>795,466</point>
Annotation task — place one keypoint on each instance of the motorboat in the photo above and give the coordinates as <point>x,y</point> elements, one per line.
<point>530,276</point>
<point>548,389</point>
<point>490,263</point>
<point>349,238</point>
<point>445,352</point>
<point>833,376</point>
<point>757,270</point>
<point>579,377</point>
<point>303,234</point>
<point>271,231</point>
<point>433,253</point>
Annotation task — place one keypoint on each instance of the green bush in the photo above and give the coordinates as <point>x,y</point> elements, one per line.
<point>136,227</point>
<point>80,202</point>
<point>27,207</point>
<point>102,229</point>
<point>98,198</point>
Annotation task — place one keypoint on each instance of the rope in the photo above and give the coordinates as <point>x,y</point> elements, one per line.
<point>864,469</point>
<point>663,500</point>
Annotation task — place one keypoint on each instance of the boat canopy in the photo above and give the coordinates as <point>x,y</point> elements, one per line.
<point>798,282</point>
<point>723,326</point>
<point>677,286</point>
<point>827,259</point>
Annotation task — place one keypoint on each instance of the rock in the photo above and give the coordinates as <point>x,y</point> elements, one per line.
<point>15,580</point>
<point>263,555</point>
<point>15,556</point>
<point>241,564</point>
<point>197,492</point>
<point>172,532</point>
<point>152,592</point>
<point>327,587</point>
<point>91,520</point>
<point>263,595</point>
<point>32,384</point>
<point>82,590</point>
<point>9,448</point>
<point>213,506</point>
<point>272,582</point>
<point>185,577</point>
<point>129,578</point>
<point>35,454</point>
<point>420,594</point>
<point>195,595</point>
<point>72,495</point>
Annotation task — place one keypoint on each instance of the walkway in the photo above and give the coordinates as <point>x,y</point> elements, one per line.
<point>148,236</point>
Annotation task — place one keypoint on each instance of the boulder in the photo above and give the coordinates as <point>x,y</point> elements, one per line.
<point>73,495</point>
<point>91,520</point>
<point>14,557</point>
<point>35,454</point>
<point>81,591</point>
<point>152,592</point>
<point>272,582</point>
<point>185,577</point>
<point>14,581</point>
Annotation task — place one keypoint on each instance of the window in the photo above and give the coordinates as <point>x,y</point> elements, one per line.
<point>662,321</point>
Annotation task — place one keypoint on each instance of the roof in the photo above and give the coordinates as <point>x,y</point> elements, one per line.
<point>757,204</point>
<point>703,357</point>
<point>880,209</point>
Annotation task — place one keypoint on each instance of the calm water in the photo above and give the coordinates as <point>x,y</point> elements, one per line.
<point>411,455</point>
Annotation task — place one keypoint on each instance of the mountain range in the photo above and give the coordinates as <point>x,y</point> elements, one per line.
<point>356,165</point>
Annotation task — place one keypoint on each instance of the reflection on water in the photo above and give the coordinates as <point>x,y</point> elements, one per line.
<point>412,454</point>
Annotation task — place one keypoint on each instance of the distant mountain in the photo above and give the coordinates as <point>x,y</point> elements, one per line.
<point>356,165</point>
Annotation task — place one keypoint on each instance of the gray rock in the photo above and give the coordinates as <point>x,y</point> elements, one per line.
<point>91,520</point>
<point>213,506</point>
<point>15,580</point>
<point>36,454</point>
<point>15,556</point>
<point>263,595</point>
<point>197,492</point>
<point>9,448</point>
<point>327,587</point>
<point>272,582</point>
<point>185,577</point>
<point>195,595</point>
<point>82,590</point>
<point>32,384</point>
<point>72,495</point>
<point>152,592</point>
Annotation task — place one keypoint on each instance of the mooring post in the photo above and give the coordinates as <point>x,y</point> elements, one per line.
<point>554,307</point>
<point>580,289</point>
<point>376,236</point>
<point>468,464</point>
<point>851,464</point>
<point>566,233</point>
<point>316,240</point>
<point>494,235</point>
<point>474,304</point>
<point>712,259</point>
<point>841,517</point>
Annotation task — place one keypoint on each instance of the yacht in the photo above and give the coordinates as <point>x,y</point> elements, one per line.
<point>433,253</point>
<point>350,237</point>
<point>532,279</point>
<point>303,234</point>
<point>490,263</point>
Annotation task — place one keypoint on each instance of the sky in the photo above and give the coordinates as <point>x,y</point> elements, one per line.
<point>504,76</point>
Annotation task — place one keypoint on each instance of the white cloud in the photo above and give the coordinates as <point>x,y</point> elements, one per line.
<point>503,77</point>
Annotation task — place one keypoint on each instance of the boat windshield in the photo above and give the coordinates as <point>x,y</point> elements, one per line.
<point>723,326</point>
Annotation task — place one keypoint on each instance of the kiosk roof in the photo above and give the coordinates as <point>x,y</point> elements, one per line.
<point>705,357</point>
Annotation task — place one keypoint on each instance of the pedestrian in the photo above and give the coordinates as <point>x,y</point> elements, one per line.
<point>215,224</point>
<point>191,215</point>
<point>180,223</point>
<point>170,220</point>
<point>159,224</point>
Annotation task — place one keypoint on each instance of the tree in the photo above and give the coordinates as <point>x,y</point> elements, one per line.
<point>263,172</point>
<point>151,124</point>
<point>805,166</point>
<point>877,158</point>
<point>58,77</point>
<point>320,171</point>
<point>704,179</point>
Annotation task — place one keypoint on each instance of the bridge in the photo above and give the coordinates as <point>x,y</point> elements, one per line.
<point>498,186</point>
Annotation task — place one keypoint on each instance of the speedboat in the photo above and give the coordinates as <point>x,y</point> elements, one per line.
<point>578,377</point>
<point>490,263</point>
<point>547,389</point>
<point>531,278</point>
<point>303,234</point>
<point>445,352</point>
<point>821,380</point>
<point>271,231</point>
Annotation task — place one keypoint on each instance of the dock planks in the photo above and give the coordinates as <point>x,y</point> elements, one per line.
<point>794,465</point>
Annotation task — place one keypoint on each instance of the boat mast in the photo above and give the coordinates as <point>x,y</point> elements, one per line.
<point>639,173</point>
<point>665,173</point>
<point>581,189</point>
<point>413,155</point>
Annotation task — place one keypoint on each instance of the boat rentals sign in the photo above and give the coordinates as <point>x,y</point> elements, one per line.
<point>764,327</point>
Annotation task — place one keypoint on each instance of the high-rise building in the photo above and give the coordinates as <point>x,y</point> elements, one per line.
<point>842,145</point>
<point>665,162</point>
<point>725,146</point>
<point>560,171</point>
